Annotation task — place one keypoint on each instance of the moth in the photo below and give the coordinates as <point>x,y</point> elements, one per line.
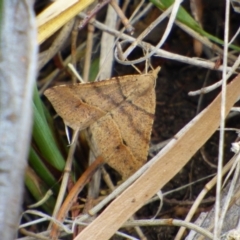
<point>117,113</point>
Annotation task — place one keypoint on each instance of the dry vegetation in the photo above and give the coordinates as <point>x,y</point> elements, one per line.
<point>177,185</point>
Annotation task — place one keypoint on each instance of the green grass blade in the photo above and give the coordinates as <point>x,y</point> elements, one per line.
<point>184,17</point>
<point>42,171</point>
<point>38,189</point>
<point>45,141</point>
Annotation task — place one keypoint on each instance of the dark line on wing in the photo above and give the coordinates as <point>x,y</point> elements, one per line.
<point>130,119</point>
<point>118,81</point>
<point>108,97</point>
<point>140,109</point>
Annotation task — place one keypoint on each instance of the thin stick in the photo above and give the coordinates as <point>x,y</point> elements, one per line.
<point>219,83</point>
<point>31,234</point>
<point>74,47</point>
<point>112,188</point>
<point>92,13</point>
<point>146,32</point>
<point>82,181</point>
<point>202,194</point>
<point>161,53</point>
<point>88,55</point>
<point>107,46</point>
<point>142,13</point>
<point>124,8</point>
<point>47,81</point>
<point>217,229</point>
<point>166,222</point>
<point>66,175</point>
<point>109,51</point>
<point>230,194</point>
<point>170,222</point>
<point>125,21</point>
<point>56,45</point>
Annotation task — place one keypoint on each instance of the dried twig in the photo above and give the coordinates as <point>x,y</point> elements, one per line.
<point>161,53</point>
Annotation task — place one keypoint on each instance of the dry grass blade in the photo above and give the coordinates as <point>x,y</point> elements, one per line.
<point>82,181</point>
<point>203,193</point>
<point>165,165</point>
<point>55,21</point>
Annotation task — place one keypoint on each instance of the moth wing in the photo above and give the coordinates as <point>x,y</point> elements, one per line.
<point>82,104</point>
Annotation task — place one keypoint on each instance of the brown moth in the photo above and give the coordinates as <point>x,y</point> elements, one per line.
<point>118,114</point>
